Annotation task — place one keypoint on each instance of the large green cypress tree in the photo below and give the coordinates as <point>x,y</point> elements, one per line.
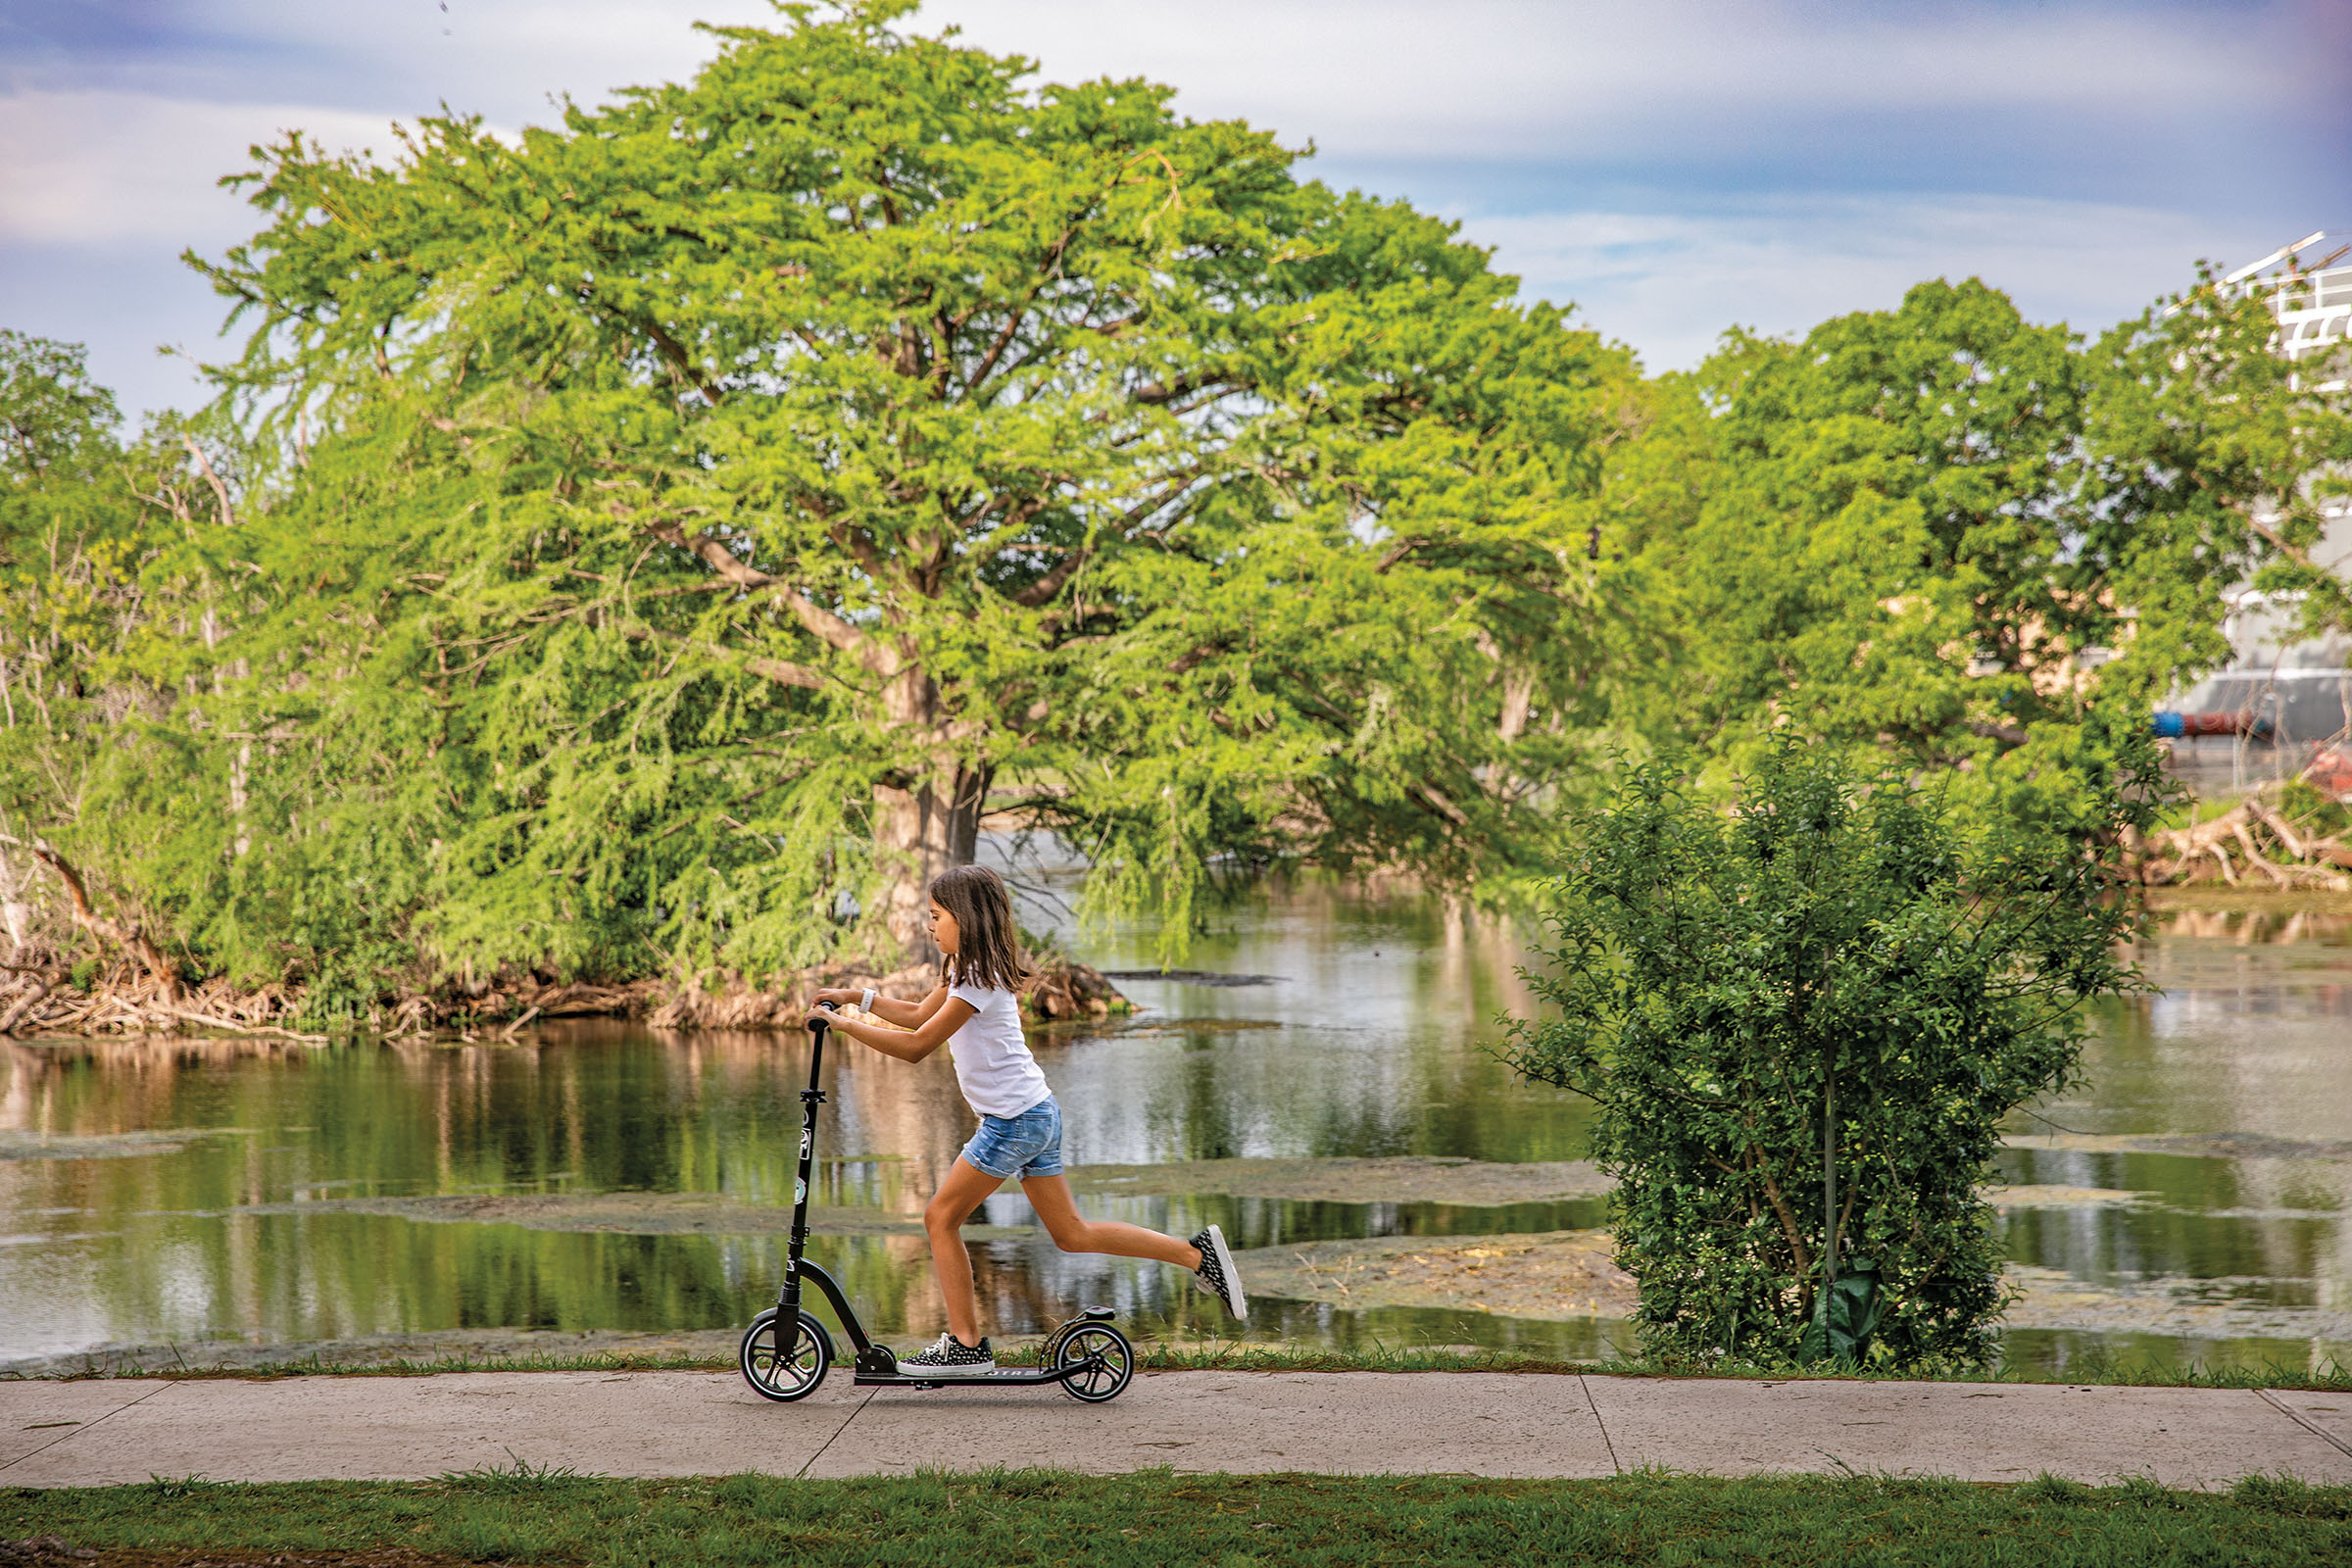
<point>704,509</point>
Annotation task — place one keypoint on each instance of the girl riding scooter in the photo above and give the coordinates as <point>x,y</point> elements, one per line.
<point>977,1013</point>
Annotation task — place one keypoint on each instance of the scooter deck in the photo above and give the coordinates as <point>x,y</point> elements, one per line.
<point>1002,1378</point>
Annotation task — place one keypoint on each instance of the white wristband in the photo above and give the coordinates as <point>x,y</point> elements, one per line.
<point>865,1003</point>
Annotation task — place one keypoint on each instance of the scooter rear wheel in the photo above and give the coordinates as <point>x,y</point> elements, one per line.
<point>1113,1366</point>
<point>784,1361</point>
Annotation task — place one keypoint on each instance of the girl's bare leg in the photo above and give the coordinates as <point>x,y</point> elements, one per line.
<point>943,1221</point>
<point>1050,1196</point>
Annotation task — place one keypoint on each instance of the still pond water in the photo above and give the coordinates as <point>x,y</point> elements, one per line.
<point>2192,1202</point>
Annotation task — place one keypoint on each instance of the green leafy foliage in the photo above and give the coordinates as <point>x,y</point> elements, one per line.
<point>2216,455</point>
<point>655,541</point>
<point>101,625</point>
<point>1802,1023</point>
<point>1943,535</point>
<point>652,543</point>
<point>54,420</point>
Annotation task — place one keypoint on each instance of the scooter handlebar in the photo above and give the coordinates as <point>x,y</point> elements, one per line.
<point>830,1008</point>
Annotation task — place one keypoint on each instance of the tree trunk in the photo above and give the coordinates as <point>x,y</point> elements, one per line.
<point>1829,1180</point>
<point>131,937</point>
<point>927,816</point>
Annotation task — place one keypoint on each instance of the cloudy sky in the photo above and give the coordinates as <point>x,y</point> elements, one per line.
<point>1672,166</point>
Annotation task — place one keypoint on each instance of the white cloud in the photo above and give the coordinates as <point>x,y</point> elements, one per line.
<point>1497,77</point>
<point>109,156</point>
<point>1671,283</point>
<point>108,168</point>
<point>499,58</point>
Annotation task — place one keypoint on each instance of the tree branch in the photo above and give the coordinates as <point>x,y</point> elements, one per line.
<point>782,672</point>
<point>130,937</point>
<point>1045,588</point>
<point>1788,1226</point>
<point>203,465</point>
<point>822,622</point>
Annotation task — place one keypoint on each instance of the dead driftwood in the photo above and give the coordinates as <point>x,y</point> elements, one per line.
<point>42,1003</point>
<point>2252,844</point>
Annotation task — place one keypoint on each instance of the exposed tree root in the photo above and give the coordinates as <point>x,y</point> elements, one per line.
<point>39,1000</point>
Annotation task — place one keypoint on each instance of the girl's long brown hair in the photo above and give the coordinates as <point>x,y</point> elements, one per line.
<point>990,941</point>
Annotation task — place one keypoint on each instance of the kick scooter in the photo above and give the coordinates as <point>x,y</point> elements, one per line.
<point>786,1351</point>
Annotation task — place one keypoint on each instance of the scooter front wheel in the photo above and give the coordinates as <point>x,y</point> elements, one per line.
<point>1112,1356</point>
<point>784,1361</point>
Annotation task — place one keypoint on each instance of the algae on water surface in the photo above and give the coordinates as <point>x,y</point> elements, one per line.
<point>1556,1274</point>
<point>627,1213</point>
<point>1401,1179</point>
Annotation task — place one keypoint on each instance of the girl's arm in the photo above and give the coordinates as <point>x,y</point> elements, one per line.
<point>905,1014</point>
<point>907,1045</point>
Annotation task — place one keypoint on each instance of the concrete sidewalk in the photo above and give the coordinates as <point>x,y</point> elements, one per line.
<point>1491,1424</point>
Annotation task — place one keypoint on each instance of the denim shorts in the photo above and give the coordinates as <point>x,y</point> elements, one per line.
<point>1024,1146</point>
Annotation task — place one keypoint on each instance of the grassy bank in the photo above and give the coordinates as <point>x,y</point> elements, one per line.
<point>1157,1518</point>
<point>1240,1356</point>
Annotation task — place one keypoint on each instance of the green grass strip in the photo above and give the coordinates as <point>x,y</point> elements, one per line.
<point>1239,1355</point>
<point>1157,1518</point>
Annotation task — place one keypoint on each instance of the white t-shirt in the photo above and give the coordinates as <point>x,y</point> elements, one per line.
<point>993,1064</point>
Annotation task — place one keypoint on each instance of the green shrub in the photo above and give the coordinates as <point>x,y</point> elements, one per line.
<point>1803,1021</point>
<point>2315,812</point>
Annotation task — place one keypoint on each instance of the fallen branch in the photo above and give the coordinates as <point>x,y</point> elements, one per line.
<point>2254,858</point>
<point>34,996</point>
<point>2191,842</point>
<point>130,937</point>
<point>244,1028</point>
<point>2280,829</point>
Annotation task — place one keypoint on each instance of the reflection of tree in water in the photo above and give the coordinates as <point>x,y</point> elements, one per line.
<point>2246,1037</point>
<point>1380,1014</point>
<point>592,1108</point>
<point>2272,925</point>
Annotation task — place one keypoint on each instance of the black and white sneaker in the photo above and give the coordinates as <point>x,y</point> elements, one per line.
<point>1216,1274</point>
<point>950,1358</point>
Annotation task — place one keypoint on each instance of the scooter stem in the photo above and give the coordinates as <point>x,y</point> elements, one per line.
<point>789,1304</point>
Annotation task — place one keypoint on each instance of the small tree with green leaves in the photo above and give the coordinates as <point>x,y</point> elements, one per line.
<point>1803,1020</point>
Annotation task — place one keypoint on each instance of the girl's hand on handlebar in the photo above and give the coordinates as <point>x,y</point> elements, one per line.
<point>818,1014</point>
<point>840,996</point>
